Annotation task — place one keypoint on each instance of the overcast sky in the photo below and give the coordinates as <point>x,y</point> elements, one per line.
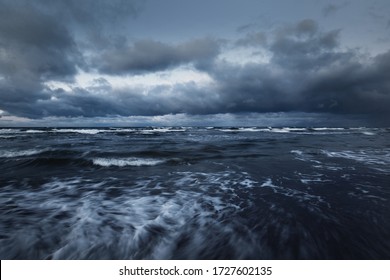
<point>182,62</point>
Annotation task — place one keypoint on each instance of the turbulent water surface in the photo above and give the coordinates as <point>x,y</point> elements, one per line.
<point>195,193</point>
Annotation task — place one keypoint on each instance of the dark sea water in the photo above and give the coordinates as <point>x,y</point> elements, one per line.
<point>195,193</point>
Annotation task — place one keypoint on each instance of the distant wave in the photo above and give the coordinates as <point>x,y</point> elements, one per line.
<point>281,129</point>
<point>287,129</point>
<point>297,152</point>
<point>9,131</point>
<point>327,128</point>
<point>107,162</point>
<point>12,154</point>
<point>35,131</point>
<point>5,132</point>
<point>244,129</point>
<point>82,131</point>
<point>167,129</point>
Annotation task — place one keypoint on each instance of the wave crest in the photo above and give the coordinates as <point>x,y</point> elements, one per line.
<point>121,162</point>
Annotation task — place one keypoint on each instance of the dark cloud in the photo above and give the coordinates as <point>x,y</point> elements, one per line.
<point>60,103</point>
<point>307,69</point>
<point>35,44</point>
<point>161,100</point>
<point>306,49</point>
<point>95,24</point>
<point>308,72</point>
<point>343,83</point>
<point>87,19</point>
<point>34,47</point>
<point>150,55</point>
<point>353,88</point>
<point>48,40</point>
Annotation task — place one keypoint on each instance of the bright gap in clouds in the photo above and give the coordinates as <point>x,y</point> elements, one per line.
<point>179,75</point>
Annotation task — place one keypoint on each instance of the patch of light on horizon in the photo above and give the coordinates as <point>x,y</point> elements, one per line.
<point>168,77</point>
<point>179,75</point>
<point>14,119</point>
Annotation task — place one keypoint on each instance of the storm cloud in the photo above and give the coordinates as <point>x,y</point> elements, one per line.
<point>35,45</point>
<point>150,55</point>
<point>40,41</point>
<point>47,46</point>
<point>309,72</point>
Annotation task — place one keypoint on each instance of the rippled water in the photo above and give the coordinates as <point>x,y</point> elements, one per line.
<point>195,193</point>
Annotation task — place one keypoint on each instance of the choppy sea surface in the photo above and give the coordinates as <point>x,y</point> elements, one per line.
<point>195,193</point>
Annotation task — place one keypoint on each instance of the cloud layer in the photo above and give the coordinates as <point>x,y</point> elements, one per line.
<point>304,67</point>
<point>150,55</point>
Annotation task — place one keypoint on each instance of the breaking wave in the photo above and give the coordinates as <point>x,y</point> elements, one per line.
<point>107,162</point>
<point>22,153</point>
<point>194,193</point>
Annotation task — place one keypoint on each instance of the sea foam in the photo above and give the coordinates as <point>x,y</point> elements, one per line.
<point>12,154</point>
<point>107,162</point>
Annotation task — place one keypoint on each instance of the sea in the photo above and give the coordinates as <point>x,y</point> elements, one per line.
<point>195,193</point>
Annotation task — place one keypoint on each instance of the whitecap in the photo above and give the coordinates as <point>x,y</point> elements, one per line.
<point>12,154</point>
<point>122,130</point>
<point>327,128</point>
<point>300,155</point>
<point>35,131</point>
<point>9,131</point>
<point>284,129</point>
<point>309,179</point>
<point>281,130</point>
<point>121,162</point>
<point>297,152</point>
<point>268,183</point>
<point>368,133</point>
<point>168,129</point>
<point>228,130</point>
<point>248,183</point>
<point>81,131</point>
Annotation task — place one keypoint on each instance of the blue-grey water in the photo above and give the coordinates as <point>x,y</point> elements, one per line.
<point>195,193</point>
